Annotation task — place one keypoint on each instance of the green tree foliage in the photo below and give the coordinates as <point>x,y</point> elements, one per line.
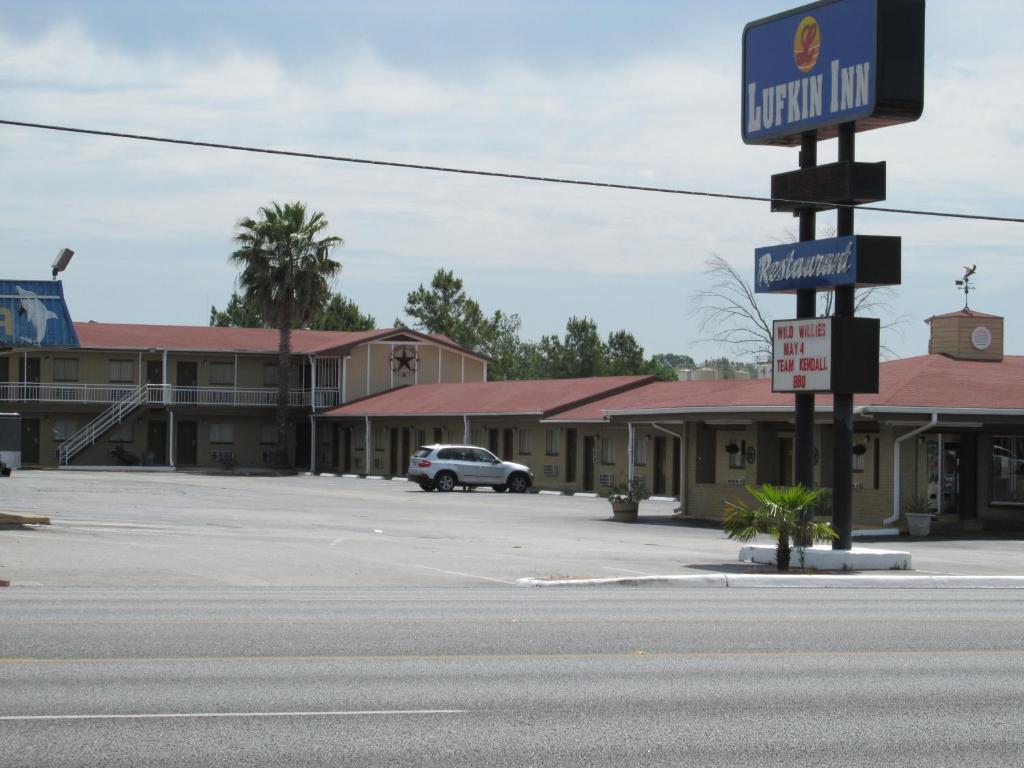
<point>283,257</point>
<point>783,512</point>
<point>336,314</point>
<point>674,361</point>
<point>341,314</point>
<point>445,308</point>
<point>239,313</point>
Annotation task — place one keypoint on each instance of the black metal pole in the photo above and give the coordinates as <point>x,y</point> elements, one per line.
<point>806,300</point>
<point>842,402</point>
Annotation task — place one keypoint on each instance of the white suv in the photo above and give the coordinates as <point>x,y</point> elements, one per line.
<point>445,466</point>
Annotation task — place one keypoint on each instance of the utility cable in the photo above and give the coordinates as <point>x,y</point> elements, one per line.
<point>497,174</point>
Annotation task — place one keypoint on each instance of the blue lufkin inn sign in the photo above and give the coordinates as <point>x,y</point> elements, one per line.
<point>832,62</point>
<point>33,314</point>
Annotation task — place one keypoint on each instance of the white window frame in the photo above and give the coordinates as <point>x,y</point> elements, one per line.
<point>225,374</point>
<point>222,433</point>
<point>552,441</point>
<point>525,442</point>
<point>117,374</point>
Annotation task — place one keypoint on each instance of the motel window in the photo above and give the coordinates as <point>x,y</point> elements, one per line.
<point>454,437</point>
<point>607,450</point>
<point>551,446</point>
<point>1008,470</point>
<point>122,371</point>
<point>361,439</point>
<point>421,437</point>
<point>62,430</point>
<point>222,433</point>
<point>380,439</point>
<point>525,441</point>
<point>270,374</point>
<point>123,432</point>
<point>65,369</point>
<point>222,373</point>
<point>268,434</point>
<point>640,449</point>
<point>480,436</point>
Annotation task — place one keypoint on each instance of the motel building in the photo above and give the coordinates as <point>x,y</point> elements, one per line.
<point>184,397</point>
<point>946,427</point>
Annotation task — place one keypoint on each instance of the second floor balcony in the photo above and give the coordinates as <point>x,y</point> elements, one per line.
<point>164,395</point>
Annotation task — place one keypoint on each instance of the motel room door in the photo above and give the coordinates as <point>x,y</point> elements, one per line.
<point>156,441</point>
<point>589,459</point>
<point>570,455</point>
<point>187,444</point>
<point>30,441</point>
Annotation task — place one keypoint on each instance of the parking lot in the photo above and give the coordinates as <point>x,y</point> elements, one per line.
<point>180,529</point>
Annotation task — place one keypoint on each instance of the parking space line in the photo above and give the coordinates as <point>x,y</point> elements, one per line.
<point>460,573</point>
<point>186,715</point>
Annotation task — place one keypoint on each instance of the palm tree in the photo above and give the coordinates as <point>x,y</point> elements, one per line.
<point>783,512</point>
<point>285,269</point>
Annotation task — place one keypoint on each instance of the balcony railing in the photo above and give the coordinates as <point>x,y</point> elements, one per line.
<point>159,394</point>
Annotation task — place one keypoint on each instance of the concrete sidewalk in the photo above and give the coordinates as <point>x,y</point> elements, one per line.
<point>797,581</point>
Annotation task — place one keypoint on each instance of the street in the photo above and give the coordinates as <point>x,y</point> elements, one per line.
<point>183,620</point>
<point>511,676</point>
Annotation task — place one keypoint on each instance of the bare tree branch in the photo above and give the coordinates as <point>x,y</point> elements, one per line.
<point>729,313</point>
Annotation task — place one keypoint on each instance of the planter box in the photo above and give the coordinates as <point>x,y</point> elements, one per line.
<point>918,524</point>
<point>625,511</point>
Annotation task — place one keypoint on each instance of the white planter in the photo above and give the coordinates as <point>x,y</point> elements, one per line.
<point>918,524</point>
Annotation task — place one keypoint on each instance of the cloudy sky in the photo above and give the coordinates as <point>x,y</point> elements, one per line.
<point>643,92</point>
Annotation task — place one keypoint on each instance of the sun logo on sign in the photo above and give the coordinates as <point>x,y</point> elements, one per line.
<point>807,44</point>
<point>403,361</point>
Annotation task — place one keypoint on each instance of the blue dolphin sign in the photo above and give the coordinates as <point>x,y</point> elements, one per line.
<point>33,314</point>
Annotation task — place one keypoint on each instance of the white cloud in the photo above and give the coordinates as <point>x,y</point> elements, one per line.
<point>659,120</point>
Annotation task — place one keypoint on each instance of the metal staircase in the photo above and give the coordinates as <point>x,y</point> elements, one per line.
<point>111,417</point>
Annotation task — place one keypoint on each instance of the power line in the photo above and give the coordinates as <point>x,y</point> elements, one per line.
<point>493,174</point>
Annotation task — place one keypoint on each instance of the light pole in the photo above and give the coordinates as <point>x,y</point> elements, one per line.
<point>60,263</point>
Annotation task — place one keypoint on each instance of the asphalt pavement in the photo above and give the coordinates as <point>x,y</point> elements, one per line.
<point>493,676</point>
<point>179,529</point>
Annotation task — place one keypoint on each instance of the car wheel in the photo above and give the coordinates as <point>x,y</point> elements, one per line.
<point>499,488</point>
<point>427,486</point>
<point>518,483</point>
<point>445,481</point>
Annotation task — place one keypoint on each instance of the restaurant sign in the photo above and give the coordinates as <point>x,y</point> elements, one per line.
<point>858,260</point>
<point>33,314</point>
<point>832,62</point>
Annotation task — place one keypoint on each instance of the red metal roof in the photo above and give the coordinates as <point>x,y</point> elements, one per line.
<point>925,382</point>
<point>528,398</point>
<point>928,381</point>
<point>201,338</point>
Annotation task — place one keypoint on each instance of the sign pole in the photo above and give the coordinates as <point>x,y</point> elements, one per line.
<point>842,402</point>
<point>806,301</point>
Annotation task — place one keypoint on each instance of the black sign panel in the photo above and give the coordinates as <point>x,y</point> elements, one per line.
<point>845,182</point>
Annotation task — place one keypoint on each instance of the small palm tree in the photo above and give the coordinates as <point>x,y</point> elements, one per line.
<point>285,270</point>
<point>783,512</point>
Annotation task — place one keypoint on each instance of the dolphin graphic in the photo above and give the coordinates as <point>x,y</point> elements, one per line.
<point>35,312</point>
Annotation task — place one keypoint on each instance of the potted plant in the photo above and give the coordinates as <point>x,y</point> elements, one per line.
<point>919,516</point>
<point>782,512</point>
<point>625,499</point>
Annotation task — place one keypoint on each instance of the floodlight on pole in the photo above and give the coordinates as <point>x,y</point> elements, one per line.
<point>61,262</point>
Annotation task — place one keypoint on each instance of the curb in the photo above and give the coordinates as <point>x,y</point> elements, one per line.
<point>13,518</point>
<point>801,581</point>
